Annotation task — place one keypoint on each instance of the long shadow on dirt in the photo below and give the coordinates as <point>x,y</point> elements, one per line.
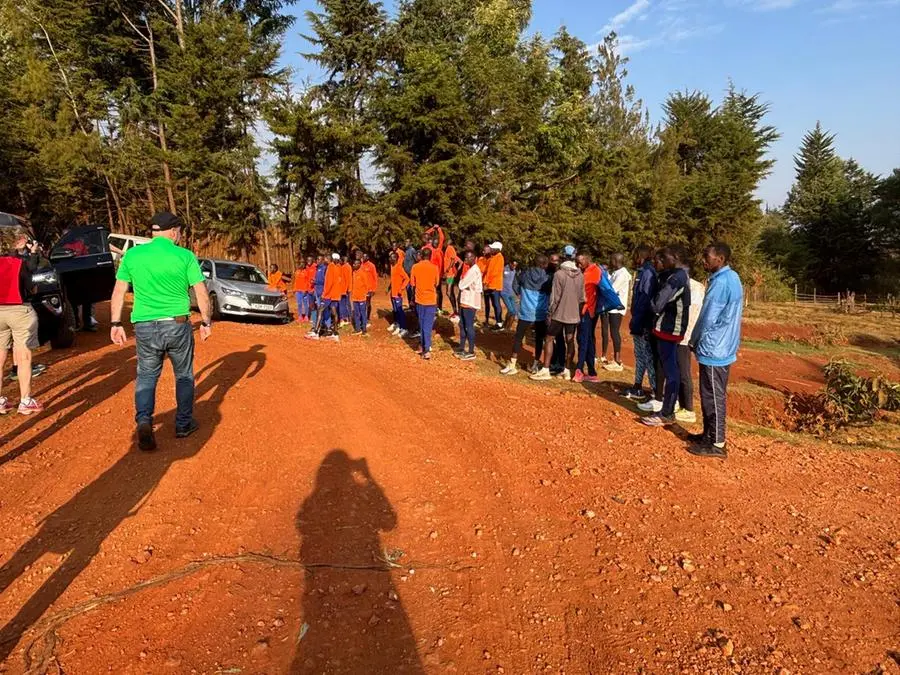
<point>353,621</point>
<point>78,528</point>
<point>116,370</point>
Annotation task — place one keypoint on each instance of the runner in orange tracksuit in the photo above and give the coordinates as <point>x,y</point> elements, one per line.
<point>399,282</point>
<point>369,268</point>
<point>331,299</point>
<point>302,288</point>
<point>451,275</point>
<point>436,246</point>
<point>347,280</point>
<point>361,287</point>
<point>493,284</point>
<point>276,279</point>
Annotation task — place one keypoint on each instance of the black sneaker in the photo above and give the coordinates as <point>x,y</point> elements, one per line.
<point>184,432</point>
<point>145,438</point>
<point>698,439</point>
<point>708,450</point>
<point>467,356</point>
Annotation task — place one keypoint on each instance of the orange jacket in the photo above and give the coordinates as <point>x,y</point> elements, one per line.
<point>301,281</point>
<point>450,259</point>
<point>311,276</point>
<point>401,255</point>
<point>399,280</point>
<point>361,285</point>
<point>334,282</point>
<point>276,281</point>
<point>591,279</point>
<point>493,275</point>
<point>346,277</point>
<point>482,264</point>
<point>425,279</point>
<point>369,268</point>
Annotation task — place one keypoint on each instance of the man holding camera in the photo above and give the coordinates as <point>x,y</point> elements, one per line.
<point>18,320</point>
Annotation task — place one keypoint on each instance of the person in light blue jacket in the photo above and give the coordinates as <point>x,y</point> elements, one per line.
<point>715,341</point>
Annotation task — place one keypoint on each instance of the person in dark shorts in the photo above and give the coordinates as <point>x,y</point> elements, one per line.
<point>564,312</point>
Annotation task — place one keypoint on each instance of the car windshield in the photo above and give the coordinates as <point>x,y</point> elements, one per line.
<point>237,272</point>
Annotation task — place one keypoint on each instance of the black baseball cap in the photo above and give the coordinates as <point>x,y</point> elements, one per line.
<point>164,221</point>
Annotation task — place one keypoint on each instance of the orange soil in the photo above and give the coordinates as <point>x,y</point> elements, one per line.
<point>541,528</point>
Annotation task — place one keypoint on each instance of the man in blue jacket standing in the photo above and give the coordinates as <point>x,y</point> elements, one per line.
<point>715,341</point>
<point>532,285</point>
<point>642,318</point>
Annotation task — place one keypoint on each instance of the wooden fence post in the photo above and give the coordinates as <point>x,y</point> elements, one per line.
<point>795,293</point>
<point>814,295</point>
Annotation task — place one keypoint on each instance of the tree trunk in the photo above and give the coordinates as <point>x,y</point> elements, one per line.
<point>163,145</point>
<point>150,201</point>
<point>109,213</point>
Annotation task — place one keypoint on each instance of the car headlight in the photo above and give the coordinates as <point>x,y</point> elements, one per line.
<point>47,277</point>
<point>233,292</point>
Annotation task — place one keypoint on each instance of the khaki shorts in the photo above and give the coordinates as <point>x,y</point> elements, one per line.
<point>18,326</point>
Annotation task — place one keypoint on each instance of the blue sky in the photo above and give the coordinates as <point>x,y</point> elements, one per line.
<point>828,60</point>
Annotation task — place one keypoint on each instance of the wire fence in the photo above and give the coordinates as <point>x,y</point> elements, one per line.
<point>849,301</point>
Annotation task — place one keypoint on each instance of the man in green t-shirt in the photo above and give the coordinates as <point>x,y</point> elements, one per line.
<point>161,272</point>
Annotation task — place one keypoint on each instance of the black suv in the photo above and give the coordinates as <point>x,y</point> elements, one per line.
<point>79,271</point>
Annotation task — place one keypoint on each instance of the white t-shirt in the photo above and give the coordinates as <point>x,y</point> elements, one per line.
<point>697,293</point>
<point>621,283</point>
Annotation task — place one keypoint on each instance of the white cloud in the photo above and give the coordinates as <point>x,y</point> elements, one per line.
<point>636,10</point>
<point>663,23</point>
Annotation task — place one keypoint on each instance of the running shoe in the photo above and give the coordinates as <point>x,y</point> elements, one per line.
<point>334,338</point>
<point>658,421</point>
<point>510,369</point>
<point>591,378</point>
<point>416,335</point>
<point>543,375</point>
<point>5,407</point>
<point>535,366</point>
<point>686,416</point>
<point>614,367</point>
<point>427,356</point>
<point>651,406</point>
<point>565,375</point>
<point>579,377</point>
<point>392,328</point>
<point>29,406</point>
<point>709,450</point>
<point>468,356</point>
<point>312,336</point>
<point>402,333</point>
<point>634,394</point>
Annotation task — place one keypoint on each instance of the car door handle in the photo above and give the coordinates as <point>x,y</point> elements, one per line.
<point>104,262</point>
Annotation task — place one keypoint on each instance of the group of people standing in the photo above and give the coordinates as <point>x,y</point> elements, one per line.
<point>561,299</point>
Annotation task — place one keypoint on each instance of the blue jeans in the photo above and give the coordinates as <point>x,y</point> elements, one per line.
<point>411,294</point>
<point>426,315</point>
<point>510,301</point>
<point>668,354</point>
<point>303,303</point>
<point>360,315</point>
<point>399,314</point>
<point>467,329</point>
<point>587,344</point>
<point>155,341</point>
<point>326,308</point>
<point>644,362</point>
<point>344,308</point>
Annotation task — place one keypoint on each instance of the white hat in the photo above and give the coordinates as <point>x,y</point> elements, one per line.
<point>335,256</point>
<point>497,246</point>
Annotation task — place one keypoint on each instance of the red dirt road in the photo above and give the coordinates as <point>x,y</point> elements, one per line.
<point>350,509</point>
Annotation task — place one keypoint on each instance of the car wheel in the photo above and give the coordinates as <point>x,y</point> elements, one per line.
<point>65,331</point>
<point>214,307</point>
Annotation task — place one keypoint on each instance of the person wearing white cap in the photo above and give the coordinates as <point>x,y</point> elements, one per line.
<point>493,283</point>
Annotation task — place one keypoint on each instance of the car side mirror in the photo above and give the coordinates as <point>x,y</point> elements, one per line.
<point>62,254</point>
<point>207,274</point>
